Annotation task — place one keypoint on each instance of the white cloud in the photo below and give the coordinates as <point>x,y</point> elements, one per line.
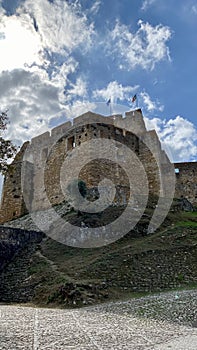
<point>95,7</point>
<point>59,77</point>
<point>2,11</point>
<point>115,91</point>
<point>144,48</point>
<point>77,108</point>
<point>31,103</point>
<point>59,25</point>
<point>149,104</point>
<point>37,91</point>
<point>178,137</point>
<point>32,86</point>
<point>188,11</point>
<point>194,9</point>
<point>146,4</point>
<point>19,44</point>
<point>34,101</point>
<point>26,36</point>
<point>79,88</point>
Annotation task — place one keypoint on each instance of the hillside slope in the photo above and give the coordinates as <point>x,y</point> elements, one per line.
<point>56,274</point>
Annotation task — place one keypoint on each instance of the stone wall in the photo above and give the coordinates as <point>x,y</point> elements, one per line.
<point>186,181</point>
<point>12,205</point>
<point>38,166</point>
<point>16,250</point>
<point>65,156</point>
<point>13,240</point>
<point>151,270</point>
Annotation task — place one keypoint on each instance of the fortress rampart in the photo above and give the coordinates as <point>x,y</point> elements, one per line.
<point>186,181</point>
<point>40,161</point>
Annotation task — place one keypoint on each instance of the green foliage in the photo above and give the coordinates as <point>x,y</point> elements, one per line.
<point>186,224</point>
<point>180,277</point>
<point>7,148</point>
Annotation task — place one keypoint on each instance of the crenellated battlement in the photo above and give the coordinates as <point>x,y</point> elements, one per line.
<point>41,159</point>
<point>133,122</point>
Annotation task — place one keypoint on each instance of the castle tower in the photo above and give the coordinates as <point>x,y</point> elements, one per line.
<point>12,203</point>
<point>133,122</point>
<point>41,160</point>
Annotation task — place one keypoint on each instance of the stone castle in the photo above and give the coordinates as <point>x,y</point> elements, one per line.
<point>37,168</point>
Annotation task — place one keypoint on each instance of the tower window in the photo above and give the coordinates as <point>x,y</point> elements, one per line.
<point>71,143</point>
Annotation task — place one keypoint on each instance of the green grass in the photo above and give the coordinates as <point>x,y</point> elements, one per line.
<point>186,224</point>
<point>113,264</point>
<point>188,214</point>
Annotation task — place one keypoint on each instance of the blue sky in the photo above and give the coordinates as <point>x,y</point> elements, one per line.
<point>61,58</point>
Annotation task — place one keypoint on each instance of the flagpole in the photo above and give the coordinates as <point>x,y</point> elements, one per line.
<point>109,104</point>
<point>135,99</point>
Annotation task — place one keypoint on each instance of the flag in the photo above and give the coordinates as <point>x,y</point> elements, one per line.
<point>134,98</point>
<point>108,102</point>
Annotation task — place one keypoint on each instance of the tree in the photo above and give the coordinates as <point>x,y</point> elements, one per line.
<point>7,148</point>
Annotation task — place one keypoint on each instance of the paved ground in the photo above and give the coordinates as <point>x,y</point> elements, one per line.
<point>105,327</point>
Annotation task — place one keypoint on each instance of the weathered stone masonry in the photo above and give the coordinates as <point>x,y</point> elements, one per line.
<point>186,181</point>
<point>40,162</point>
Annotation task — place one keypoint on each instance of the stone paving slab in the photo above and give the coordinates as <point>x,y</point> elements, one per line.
<point>102,327</point>
<point>182,343</point>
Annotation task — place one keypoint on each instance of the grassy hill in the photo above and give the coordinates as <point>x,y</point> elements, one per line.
<point>133,265</point>
<point>48,273</point>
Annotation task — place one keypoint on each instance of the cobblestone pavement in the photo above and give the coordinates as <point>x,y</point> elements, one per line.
<point>105,327</point>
